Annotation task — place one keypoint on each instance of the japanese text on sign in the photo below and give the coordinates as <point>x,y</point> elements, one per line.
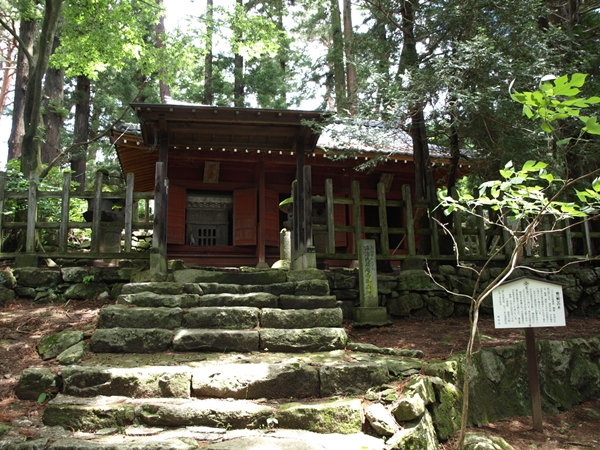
<point>528,303</point>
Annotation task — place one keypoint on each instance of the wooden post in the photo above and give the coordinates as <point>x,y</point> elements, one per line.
<point>534,380</point>
<point>356,216</point>
<point>482,248</point>
<point>587,238</point>
<point>410,222</point>
<point>160,211</point>
<point>307,194</point>
<point>129,208</point>
<point>458,230</point>
<point>63,231</point>
<point>384,237</point>
<point>31,216</point>
<point>548,238</point>
<point>296,250</point>
<point>97,208</point>
<point>2,193</point>
<point>568,237</point>
<point>262,227</point>
<point>330,216</point>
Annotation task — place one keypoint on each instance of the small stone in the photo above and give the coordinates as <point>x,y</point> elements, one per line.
<point>53,345</point>
<point>381,420</point>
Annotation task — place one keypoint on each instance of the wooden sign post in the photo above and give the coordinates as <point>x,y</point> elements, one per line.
<point>529,303</point>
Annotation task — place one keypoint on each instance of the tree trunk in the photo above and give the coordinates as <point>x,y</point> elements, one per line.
<point>165,91</point>
<point>27,32</point>
<point>31,162</point>
<point>337,58</point>
<point>7,65</point>
<point>238,69</point>
<point>349,51</point>
<point>282,55</point>
<point>53,102</point>
<point>208,59</point>
<point>82,130</point>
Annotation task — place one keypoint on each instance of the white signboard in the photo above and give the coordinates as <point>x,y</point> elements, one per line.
<point>526,303</point>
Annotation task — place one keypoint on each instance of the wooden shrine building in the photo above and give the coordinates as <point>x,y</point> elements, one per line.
<point>226,170</point>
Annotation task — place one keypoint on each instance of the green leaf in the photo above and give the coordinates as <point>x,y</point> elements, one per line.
<point>533,166</point>
<point>563,142</point>
<point>546,127</point>
<point>596,184</point>
<point>578,79</point>
<point>42,398</point>
<point>591,125</point>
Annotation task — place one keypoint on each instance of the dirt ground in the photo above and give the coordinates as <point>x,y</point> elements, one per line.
<point>23,323</point>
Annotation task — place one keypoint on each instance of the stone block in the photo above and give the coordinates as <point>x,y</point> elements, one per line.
<point>262,380</point>
<point>301,318</point>
<point>131,340</point>
<point>140,382</point>
<point>334,416</point>
<point>119,316</point>
<point>302,340</point>
<point>230,318</point>
<point>216,340</point>
<point>155,300</point>
<point>371,316</point>
<point>307,302</point>
<point>352,378</point>
<point>34,381</point>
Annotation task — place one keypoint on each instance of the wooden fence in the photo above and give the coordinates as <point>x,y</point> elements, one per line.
<point>99,229</point>
<point>474,240</point>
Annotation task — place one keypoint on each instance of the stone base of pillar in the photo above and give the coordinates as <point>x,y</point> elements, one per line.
<point>371,316</point>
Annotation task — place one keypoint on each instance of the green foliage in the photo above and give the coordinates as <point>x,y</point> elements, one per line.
<point>104,33</point>
<point>523,194</point>
<point>558,99</point>
<point>44,396</point>
<point>89,279</point>
<point>527,193</point>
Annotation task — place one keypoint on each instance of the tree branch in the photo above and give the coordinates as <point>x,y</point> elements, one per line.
<point>22,45</point>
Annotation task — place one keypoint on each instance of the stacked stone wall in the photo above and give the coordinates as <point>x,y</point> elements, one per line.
<point>447,291</point>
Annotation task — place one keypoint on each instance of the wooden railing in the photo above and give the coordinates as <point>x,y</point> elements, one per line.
<point>125,226</point>
<point>474,240</point>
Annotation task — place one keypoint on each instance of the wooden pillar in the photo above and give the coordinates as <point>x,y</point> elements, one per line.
<point>158,259</point>
<point>97,210</point>
<point>303,252</point>
<point>63,233</point>
<point>129,208</point>
<point>262,222</point>
<point>31,215</point>
<point>158,255</point>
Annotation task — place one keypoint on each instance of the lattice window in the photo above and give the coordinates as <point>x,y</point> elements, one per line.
<point>207,236</point>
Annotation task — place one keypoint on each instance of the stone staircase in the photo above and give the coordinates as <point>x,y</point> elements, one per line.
<point>222,357</point>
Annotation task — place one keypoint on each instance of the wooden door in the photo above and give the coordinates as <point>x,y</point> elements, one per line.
<point>272,226</point>
<point>244,216</point>
<point>176,215</point>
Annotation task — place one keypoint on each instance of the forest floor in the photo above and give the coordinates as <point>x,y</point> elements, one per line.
<point>23,323</point>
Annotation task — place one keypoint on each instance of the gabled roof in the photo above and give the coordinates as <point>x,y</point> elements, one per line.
<point>200,127</point>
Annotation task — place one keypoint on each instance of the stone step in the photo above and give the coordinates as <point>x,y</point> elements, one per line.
<point>314,287</point>
<point>251,299</point>
<point>89,414</point>
<point>221,317</point>
<point>140,437</point>
<point>234,376</point>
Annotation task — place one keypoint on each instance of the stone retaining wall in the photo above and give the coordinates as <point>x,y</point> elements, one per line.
<point>405,293</point>
<point>415,293</point>
<point>62,284</point>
